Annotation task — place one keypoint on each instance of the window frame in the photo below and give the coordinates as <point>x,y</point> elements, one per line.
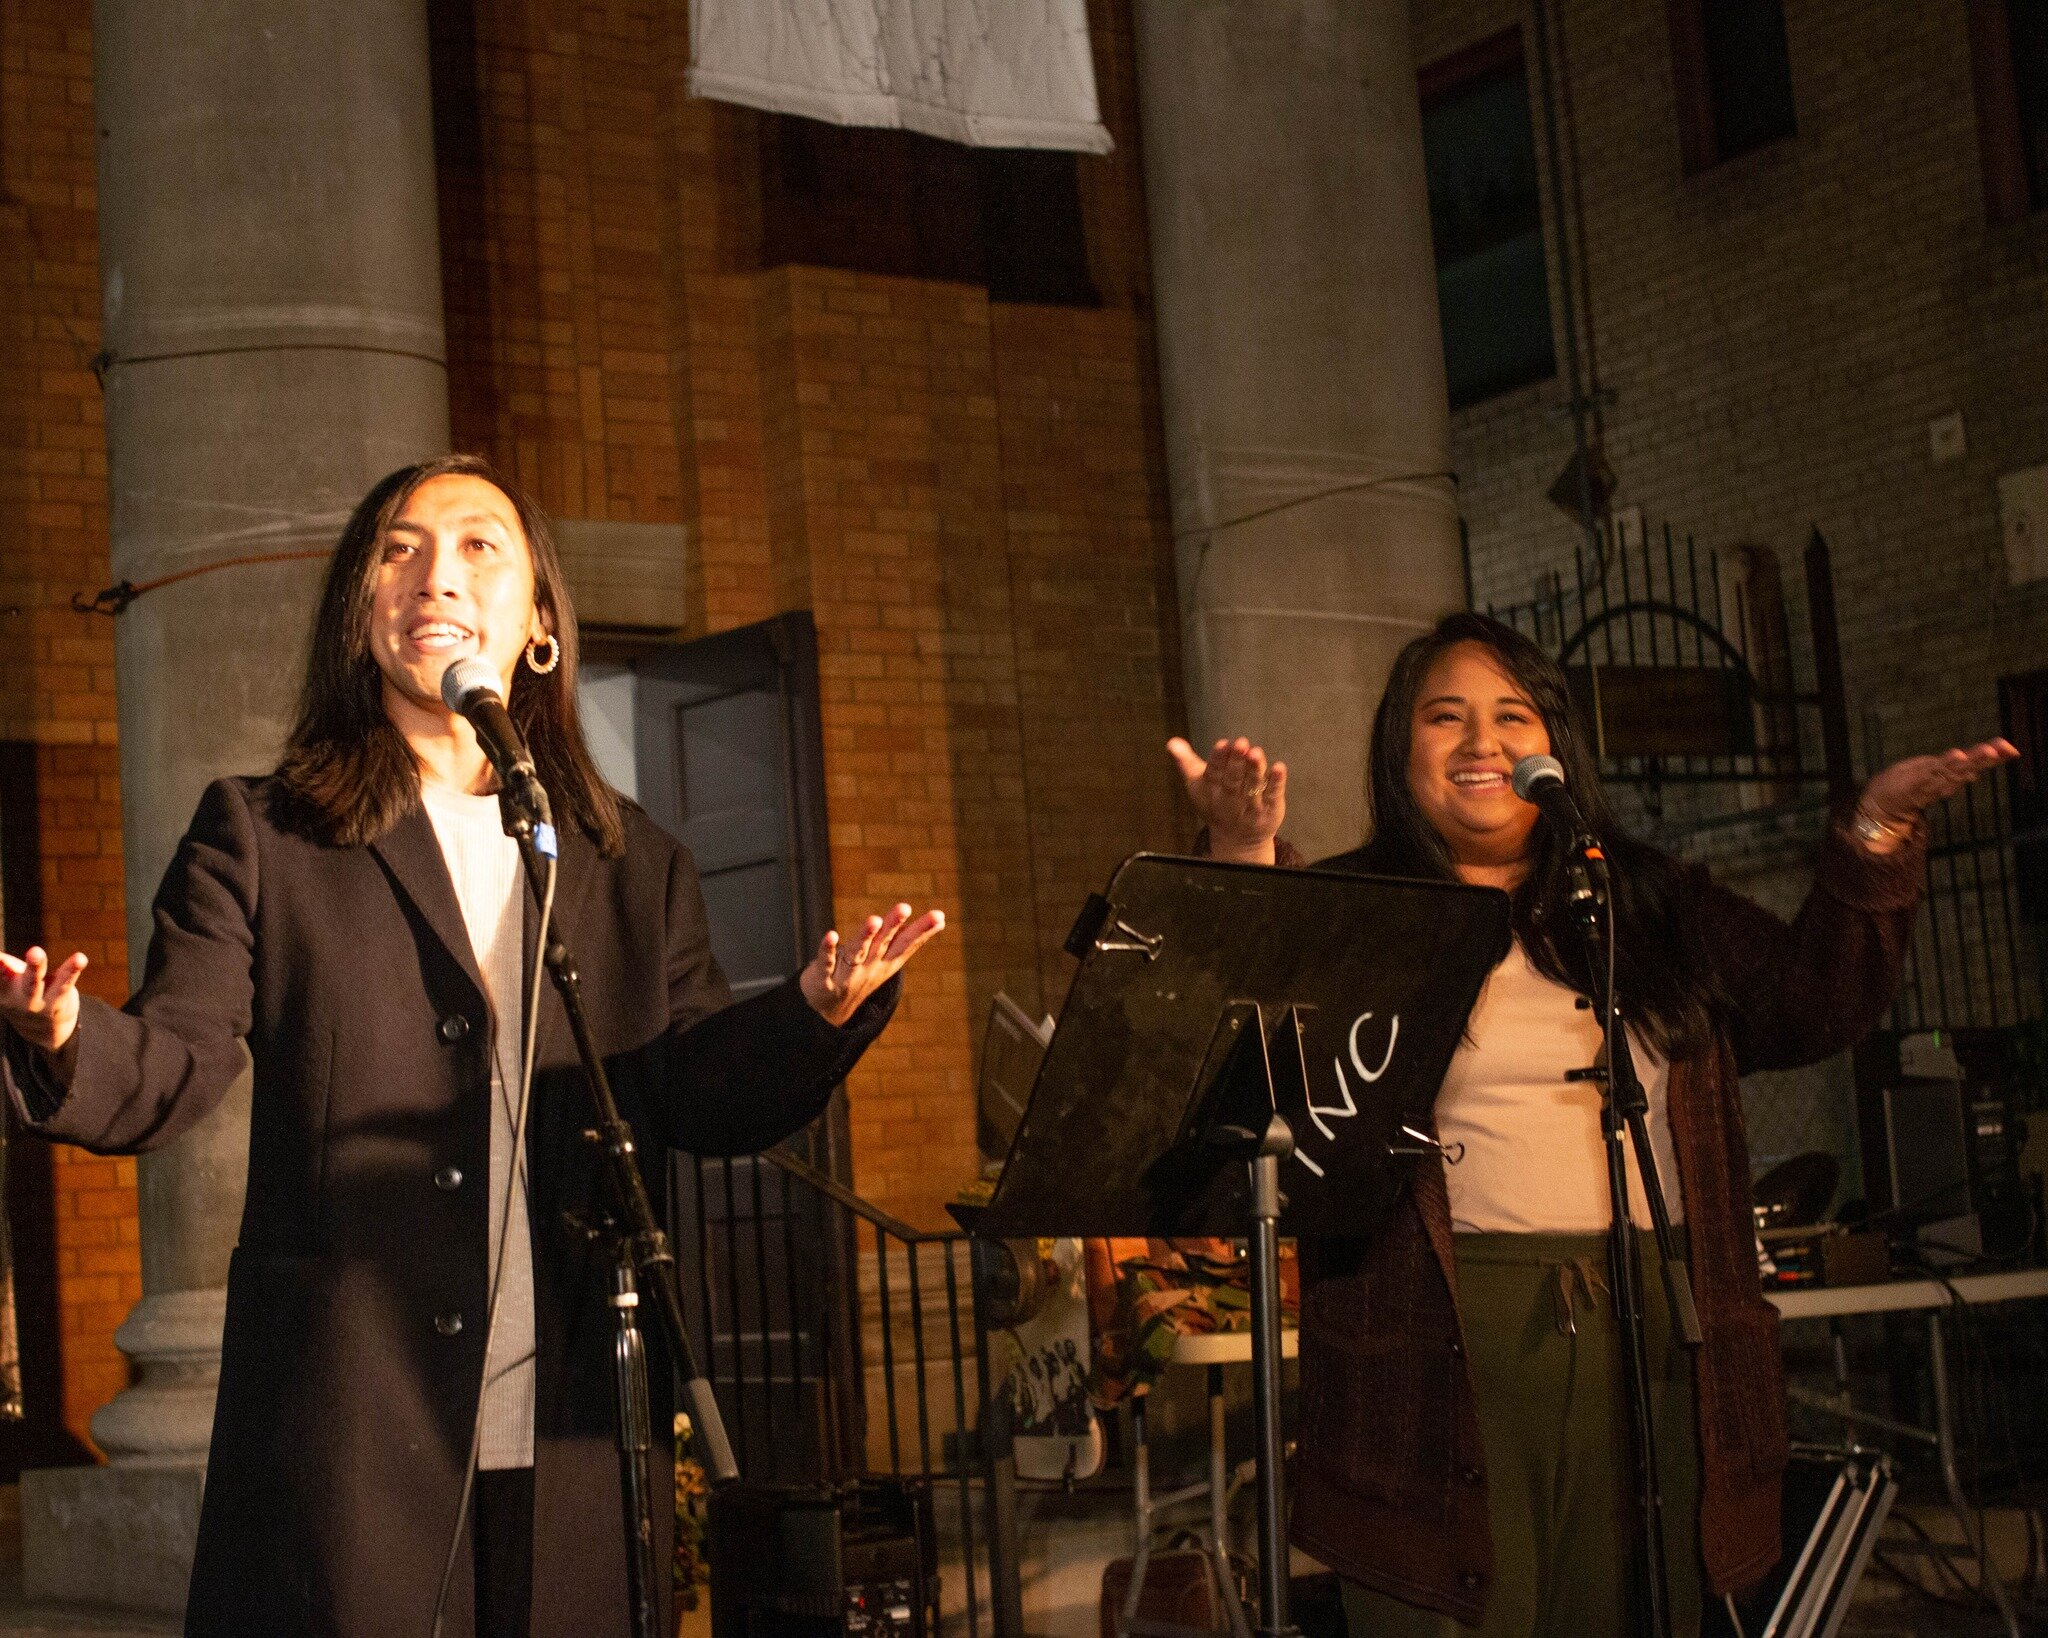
<point>1437,80</point>
<point>1446,77</point>
<point>2000,146</point>
<point>1699,129</point>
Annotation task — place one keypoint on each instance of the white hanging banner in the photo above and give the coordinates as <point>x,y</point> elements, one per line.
<point>989,73</point>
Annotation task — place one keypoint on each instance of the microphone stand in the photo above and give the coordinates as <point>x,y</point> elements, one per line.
<point>1626,1107</point>
<point>643,1264</point>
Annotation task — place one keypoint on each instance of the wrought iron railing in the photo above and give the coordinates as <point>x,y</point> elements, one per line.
<point>1680,659</point>
<point>842,1343</point>
<point>1975,960</point>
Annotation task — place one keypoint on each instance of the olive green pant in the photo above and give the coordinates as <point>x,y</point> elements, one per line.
<point>1548,1372</point>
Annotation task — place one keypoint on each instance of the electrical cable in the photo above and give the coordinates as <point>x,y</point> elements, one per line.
<point>1330,492</point>
<point>1999,1399</point>
<point>1971,1419</point>
<point>1964,1261</point>
<point>1971,1598</point>
<point>1986,1401</point>
<point>1913,1584</point>
<point>515,1180</point>
<point>115,598</point>
<point>1969,1422</point>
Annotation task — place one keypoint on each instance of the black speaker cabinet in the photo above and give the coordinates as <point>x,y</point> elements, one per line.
<point>858,1558</point>
<point>1941,1141</point>
<point>1912,1109</point>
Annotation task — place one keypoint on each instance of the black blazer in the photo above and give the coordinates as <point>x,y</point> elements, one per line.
<point>356,1295</point>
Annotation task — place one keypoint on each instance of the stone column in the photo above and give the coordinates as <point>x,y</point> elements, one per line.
<point>1307,429</point>
<point>270,267</point>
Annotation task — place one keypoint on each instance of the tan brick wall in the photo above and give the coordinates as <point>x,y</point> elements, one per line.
<point>1776,334</point>
<point>967,497</point>
<point>56,665</point>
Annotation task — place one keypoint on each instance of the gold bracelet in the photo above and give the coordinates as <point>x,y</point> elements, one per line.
<point>1871,831</point>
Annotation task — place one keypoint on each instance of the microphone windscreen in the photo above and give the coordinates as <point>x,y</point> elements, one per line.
<point>465,679</point>
<point>1532,771</point>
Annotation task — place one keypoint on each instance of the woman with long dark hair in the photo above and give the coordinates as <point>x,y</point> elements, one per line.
<point>1463,1459</point>
<point>405,1302</point>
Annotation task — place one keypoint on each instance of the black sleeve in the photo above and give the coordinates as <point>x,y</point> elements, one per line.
<point>35,1085</point>
<point>148,1072</point>
<point>742,1076</point>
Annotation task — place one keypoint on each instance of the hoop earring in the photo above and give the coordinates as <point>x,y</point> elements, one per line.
<point>534,663</point>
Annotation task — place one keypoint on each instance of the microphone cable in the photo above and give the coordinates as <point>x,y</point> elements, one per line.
<point>515,1178</point>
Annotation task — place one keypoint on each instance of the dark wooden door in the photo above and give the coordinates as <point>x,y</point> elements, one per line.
<point>726,755</point>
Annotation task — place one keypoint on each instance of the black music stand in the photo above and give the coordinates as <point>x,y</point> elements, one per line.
<point>1227,1020</point>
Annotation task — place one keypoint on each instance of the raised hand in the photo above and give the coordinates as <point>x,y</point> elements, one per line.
<point>1895,798</point>
<point>842,975</point>
<point>39,1005</point>
<point>1241,797</point>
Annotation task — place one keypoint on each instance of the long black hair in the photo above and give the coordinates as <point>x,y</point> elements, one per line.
<point>347,772</point>
<point>1664,982</point>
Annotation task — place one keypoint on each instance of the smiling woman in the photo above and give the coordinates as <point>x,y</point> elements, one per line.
<point>454,579</point>
<point>1466,735</point>
<point>405,1299</point>
<point>440,561</point>
<point>1461,1450</point>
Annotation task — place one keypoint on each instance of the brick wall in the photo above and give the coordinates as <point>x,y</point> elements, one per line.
<point>967,496</point>
<point>56,666</point>
<point>97,1236</point>
<point>1776,334</point>
<point>1773,336</point>
<point>554,288</point>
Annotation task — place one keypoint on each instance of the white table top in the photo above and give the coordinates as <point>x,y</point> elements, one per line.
<point>1892,1296</point>
<point>1229,1347</point>
<point>1815,1302</point>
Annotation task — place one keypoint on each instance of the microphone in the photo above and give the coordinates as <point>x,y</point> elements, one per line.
<point>471,689</point>
<point>1540,779</point>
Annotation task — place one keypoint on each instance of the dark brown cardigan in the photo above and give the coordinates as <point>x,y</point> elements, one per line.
<point>1389,1480</point>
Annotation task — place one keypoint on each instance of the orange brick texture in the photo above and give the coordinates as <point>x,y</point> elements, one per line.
<point>968,497</point>
<point>56,665</point>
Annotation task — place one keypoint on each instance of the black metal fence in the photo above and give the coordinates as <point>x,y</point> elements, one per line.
<point>1975,961</point>
<point>1680,660</point>
<point>841,1342</point>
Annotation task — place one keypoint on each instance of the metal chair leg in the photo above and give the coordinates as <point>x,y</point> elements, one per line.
<point>1141,1500</point>
<point>1951,1478</point>
<point>1219,1511</point>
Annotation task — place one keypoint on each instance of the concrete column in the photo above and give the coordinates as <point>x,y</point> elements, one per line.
<point>270,267</point>
<point>1307,429</point>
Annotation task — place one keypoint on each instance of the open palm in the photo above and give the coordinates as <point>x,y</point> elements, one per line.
<point>1905,790</point>
<point>1241,796</point>
<point>845,973</point>
<point>39,1005</point>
